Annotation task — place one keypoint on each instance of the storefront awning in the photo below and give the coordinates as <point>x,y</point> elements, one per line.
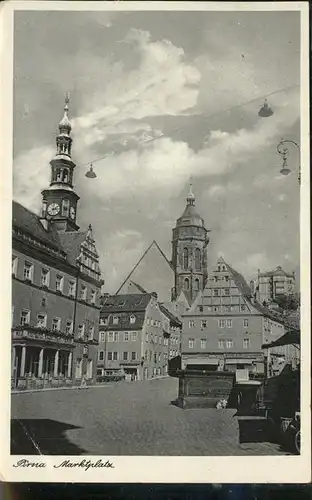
<point>202,361</point>
<point>239,361</point>
<point>292,337</point>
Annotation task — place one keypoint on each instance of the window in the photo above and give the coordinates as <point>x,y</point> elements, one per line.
<point>185,258</point>
<point>116,337</point>
<point>103,321</point>
<point>115,356</point>
<point>221,344</point>
<point>110,337</point>
<point>227,278</point>
<point>229,344</point>
<point>28,271</point>
<point>147,321</point>
<point>191,343</point>
<point>65,208</point>
<point>126,337</point>
<point>101,355</point>
<point>14,265</point>
<point>91,332</point>
<point>200,308</point>
<point>197,260</point>
<point>196,285</point>
<point>192,323</point>
<point>109,356</point>
<point>56,324</point>
<point>227,292</point>
<point>216,292</point>
<point>41,320</point>
<point>133,356</point>
<point>203,343</point>
<point>83,292</point>
<point>45,277</point>
<point>186,284</point>
<point>102,336</point>
<point>221,323</point>
<point>229,323</point>
<point>146,337</point>
<point>81,330</point>
<point>133,336</point>
<point>246,343</point>
<point>69,327</point>
<point>115,320</point>
<point>160,340</point>
<point>155,357</point>
<point>204,323</point>
<point>159,357</point>
<point>243,307</point>
<point>72,288</point>
<point>125,356</point>
<point>59,283</point>
<point>92,296</point>
<point>216,278</point>
<point>132,319</point>
<point>216,309</point>
<point>245,322</point>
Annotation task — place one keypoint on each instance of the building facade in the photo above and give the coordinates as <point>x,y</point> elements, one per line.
<point>189,252</point>
<point>273,284</point>
<point>137,336</point>
<point>56,284</point>
<point>224,329</point>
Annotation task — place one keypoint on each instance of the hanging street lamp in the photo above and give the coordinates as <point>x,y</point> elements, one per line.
<point>91,174</point>
<point>265,111</point>
<point>284,152</point>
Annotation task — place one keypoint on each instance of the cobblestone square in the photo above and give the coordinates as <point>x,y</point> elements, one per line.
<point>125,419</point>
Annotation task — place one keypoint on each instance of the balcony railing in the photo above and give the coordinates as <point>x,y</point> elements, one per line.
<point>42,334</point>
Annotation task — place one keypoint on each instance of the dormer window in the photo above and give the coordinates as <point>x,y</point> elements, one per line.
<point>115,320</point>
<point>132,319</point>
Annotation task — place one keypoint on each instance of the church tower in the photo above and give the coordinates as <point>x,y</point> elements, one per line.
<point>189,251</point>
<point>59,201</point>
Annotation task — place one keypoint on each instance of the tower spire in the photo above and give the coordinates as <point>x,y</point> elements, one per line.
<point>63,139</point>
<point>190,197</point>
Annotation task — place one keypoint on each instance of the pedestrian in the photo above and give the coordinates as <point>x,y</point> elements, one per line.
<point>83,384</point>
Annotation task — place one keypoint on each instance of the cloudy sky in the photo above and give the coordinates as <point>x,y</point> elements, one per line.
<point>192,81</point>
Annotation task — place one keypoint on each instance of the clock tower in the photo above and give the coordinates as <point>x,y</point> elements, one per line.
<point>59,201</point>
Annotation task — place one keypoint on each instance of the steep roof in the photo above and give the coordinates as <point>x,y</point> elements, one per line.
<point>240,282</point>
<point>71,242</point>
<point>29,222</point>
<point>153,272</point>
<point>126,303</point>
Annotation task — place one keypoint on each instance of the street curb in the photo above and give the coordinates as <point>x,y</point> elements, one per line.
<point>96,386</point>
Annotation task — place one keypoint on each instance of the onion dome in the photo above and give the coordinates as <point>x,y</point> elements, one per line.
<point>64,125</point>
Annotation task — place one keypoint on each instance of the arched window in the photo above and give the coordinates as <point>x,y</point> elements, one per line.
<point>65,207</point>
<point>197,259</point>
<point>186,284</point>
<point>196,285</point>
<point>185,258</point>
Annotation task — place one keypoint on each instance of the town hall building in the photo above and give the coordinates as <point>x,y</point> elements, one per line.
<point>56,283</point>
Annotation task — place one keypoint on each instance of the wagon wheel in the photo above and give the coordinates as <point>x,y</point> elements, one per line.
<point>297,441</point>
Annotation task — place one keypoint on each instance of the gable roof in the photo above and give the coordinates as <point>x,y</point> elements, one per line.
<point>71,242</point>
<point>153,272</point>
<point>30,223</point>
<point>240,282</point>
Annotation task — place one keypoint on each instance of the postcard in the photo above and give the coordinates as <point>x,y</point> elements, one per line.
<point>155,213</point>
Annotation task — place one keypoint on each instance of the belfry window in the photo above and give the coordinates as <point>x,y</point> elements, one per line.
<point>65,207</point>
<point>197,259</point>
<point>185,258</point>
<point>186,284</point>
<point>196,285</point>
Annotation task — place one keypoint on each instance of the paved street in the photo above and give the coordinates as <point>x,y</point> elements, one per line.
<point>125,419</point>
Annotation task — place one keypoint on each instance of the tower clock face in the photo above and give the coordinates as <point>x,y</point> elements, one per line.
<point>72,212</point>
<point>53,209</point>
